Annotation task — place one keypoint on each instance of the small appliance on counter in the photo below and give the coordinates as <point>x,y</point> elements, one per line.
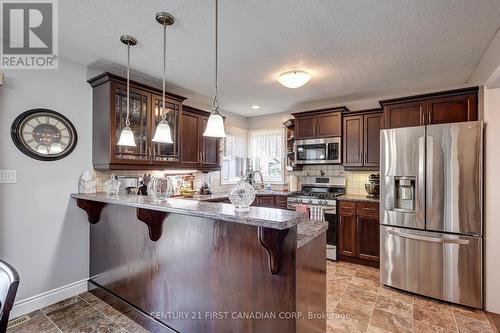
<point>373,185</point>
<point>205,186</point>
<point>128,185</point>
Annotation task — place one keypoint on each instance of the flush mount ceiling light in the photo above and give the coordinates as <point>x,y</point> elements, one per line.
<point>255,107</point>
<point>127,136</point>
<point>163,133</point>
<point>215,123</point>
<point>294,79</point>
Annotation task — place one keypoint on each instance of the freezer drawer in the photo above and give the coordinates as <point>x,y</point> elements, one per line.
<point>446,267</point>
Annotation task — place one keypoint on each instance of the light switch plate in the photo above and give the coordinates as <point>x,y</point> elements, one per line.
<point>8,177</point>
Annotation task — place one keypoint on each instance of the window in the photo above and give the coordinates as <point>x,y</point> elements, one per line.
<point>234,155</point>
<point>266,153</point>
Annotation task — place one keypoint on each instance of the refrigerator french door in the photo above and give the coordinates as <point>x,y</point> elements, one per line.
<point>431,211</point>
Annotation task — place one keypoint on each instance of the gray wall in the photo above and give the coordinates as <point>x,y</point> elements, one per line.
<point>42,232</point>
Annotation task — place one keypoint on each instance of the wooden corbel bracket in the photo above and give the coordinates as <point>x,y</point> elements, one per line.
<point>272,240</point>
<point>154,220</point>
<point>93,209</point>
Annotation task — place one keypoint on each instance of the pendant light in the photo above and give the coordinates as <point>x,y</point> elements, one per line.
<point>163,133</point>
<point>127,136</point>
<point>215,123</point>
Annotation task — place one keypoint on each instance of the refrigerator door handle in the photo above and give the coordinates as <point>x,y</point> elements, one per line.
<point>429,239</point>
<point>420,195</point>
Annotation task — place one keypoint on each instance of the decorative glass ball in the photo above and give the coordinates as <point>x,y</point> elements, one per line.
<point>160,188</point>
<point>242,196</point>
<point>112,186</point>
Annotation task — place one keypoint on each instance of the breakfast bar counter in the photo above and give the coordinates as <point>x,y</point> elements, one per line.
<point>261,271</point>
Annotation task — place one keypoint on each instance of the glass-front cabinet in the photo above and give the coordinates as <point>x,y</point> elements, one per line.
<point>109,114</point>
<point>139,123</point>
<point>166,152</point>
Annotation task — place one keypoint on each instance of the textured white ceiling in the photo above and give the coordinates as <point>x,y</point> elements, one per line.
<point>354,49</point>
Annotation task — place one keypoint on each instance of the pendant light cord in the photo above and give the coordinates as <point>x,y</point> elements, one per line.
<point>162,111</point>
<point>127,121</point>
<point>215,102</point>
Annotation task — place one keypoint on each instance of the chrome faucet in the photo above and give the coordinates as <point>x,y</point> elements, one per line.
<point>255,186</point>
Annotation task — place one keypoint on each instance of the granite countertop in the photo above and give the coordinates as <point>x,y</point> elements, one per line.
<point>355,197</point>
<point>258,216</point>
<point>224,195</point>
<point>307,230</point>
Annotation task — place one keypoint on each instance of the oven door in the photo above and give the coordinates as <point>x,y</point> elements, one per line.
<point>317,151</point>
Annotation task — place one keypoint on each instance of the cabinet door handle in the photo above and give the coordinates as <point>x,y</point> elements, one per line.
<point>429,118</point>
<point>366,158</point>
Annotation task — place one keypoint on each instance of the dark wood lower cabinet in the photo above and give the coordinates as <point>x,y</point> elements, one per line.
<point>270,201</point>
<point>359,235</point>
<point>347,235</point>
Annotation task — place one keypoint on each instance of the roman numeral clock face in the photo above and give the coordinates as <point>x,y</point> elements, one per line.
<point>44,134</point>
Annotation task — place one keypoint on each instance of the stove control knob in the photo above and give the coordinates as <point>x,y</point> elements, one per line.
<point>299,200</point>
<point>310,201</point>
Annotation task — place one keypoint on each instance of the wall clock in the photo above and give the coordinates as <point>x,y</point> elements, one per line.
<point>44,134</point>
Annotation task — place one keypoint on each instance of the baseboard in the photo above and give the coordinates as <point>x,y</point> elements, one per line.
<point>494,319</point>
<point>36,302</point>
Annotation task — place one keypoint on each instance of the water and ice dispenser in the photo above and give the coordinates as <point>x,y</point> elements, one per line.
<point>404,193</point>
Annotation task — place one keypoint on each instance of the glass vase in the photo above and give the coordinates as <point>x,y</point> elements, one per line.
<point>160,188</point>
<point>242,196</point>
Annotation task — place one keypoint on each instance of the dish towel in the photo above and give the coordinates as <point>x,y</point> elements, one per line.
<point>302,209</point>
<point>317,213</point>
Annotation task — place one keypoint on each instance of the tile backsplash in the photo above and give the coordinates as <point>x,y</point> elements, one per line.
<point>355,179</point>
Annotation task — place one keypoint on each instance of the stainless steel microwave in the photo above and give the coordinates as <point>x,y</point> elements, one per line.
<point>318,151</point>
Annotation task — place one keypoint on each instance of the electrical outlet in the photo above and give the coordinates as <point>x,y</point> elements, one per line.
<point>8,177</point>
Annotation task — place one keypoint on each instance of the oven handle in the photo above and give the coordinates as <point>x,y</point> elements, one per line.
<point>429,239</point>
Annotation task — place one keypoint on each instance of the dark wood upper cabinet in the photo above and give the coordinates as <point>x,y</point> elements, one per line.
<point>372,124</point>
<point>109,110</point>
<point>452,109</point>
<point>435,108</point>
<point>210,153</point>
<point>305,127</point>
<point>361,140</point>
<point>189,147</point>
<point>197,151</point>
<point>353,141</point>
<point>163,153</point>
<point>329,125</point>
<point>322,123</point>
<point>406,114</point>
<point>190,138</point>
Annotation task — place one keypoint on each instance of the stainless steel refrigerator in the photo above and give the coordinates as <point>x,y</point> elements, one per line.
<point>431,207</point>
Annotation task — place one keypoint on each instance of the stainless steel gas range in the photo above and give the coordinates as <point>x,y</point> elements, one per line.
<point>322,192</point>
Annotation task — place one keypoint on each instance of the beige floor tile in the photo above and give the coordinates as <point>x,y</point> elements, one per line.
<point>364,297</point>
<point>469,313</point>
<point>366,284</point>
<point>395,293</point>
<point>93,300</point>
<point>467,325</point>
<point>38,323</point>
<point>394,305</point>
<point>436,316</point>
<point>69,312</point>
<point>91,322</point>
<point>425,327</point>
<point>353,310</point>
<point>390,321</point>
<point>345,326</point>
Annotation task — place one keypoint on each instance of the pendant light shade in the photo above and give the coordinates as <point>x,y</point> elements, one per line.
<point>215,123</point>
<point>127,135</point>
<point>215,126</point>
<point>163,134</point>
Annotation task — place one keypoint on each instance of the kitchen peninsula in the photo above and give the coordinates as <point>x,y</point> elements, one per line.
<point>230,272</point>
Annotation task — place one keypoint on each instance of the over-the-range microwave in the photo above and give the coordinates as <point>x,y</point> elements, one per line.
<point>318,151</point>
